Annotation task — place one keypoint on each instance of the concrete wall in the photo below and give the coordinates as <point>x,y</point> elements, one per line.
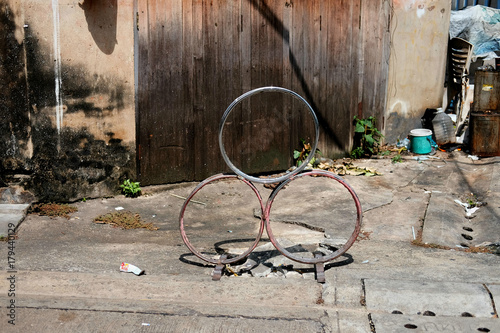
<point>68,124</point>
<point>417,63</point>
<point>67,128</point>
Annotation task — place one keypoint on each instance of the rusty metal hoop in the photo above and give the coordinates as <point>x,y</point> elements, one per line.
<point>223,259</point>
<point>319,259</point>
<point>257,91</point>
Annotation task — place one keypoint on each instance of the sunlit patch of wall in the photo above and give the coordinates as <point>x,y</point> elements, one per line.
<point>419,42</point>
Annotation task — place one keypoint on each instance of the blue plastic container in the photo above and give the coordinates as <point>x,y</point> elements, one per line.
<point>421,141</point>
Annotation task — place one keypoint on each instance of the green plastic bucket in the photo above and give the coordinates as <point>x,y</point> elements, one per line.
<point>420,139</point>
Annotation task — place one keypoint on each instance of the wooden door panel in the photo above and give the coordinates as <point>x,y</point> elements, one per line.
<point>196,56</point>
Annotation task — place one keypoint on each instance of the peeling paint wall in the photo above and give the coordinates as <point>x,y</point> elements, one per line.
<point>419,42</point>
<point>68,127</point>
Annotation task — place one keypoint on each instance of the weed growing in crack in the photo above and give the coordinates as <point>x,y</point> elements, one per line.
<point>130,189</point>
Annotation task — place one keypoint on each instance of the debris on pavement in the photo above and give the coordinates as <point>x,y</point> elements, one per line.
<point>421,158</point>
<point>347,168</point>
<point>364,235</point>
<point>184,198</point>
<point>246,266</point>
<point>128,268</point>
<point>229,269</point>
<point>468,210</point>
<point>124,220</point>
<point>473,157</point>
<point>471,206</point>
<point>53,210</point>
<point>403,143</point>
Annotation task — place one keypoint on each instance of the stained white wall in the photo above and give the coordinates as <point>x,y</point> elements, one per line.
<point>92,42</point>
<point>419,43</point>
<point>78,118</point>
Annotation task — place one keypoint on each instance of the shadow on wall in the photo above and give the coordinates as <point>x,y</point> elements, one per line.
<point>400,121</point>
<point>279,27</point>
<point>14,114</point>
<point>101,16</point>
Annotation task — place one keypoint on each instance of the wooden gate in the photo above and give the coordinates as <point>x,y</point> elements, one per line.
<point>196,56</point>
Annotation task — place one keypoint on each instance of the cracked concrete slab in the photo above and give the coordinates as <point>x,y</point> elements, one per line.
<point>321,203</point>
<point>432,178</point>
<point>444,226</point>
<point>89,320</point>
<point>343,293</point>
<point>486,223</point>
<point>348,321</point>
<point>390,323</point>
<point>165,288</point>
<point>495,178</point>
<point>62,320</point>
<point>370,199</point>
<point>394,175</point>
<point>418,297</point>
<point>494,289</point>
<point>402,217</point>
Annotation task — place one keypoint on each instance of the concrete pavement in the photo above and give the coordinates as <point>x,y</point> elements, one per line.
<point>66,271</point>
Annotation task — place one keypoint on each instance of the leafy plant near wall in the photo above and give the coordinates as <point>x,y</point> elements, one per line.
<point>303,154</point>
<point>366,137</point>
<point>130,189</point>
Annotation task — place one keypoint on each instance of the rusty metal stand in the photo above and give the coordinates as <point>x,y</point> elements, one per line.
<point>319,258</point>
<point>217,273</point>
<point>320,268</point>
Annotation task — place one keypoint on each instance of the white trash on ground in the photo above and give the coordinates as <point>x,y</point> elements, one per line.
<point>128,268</point>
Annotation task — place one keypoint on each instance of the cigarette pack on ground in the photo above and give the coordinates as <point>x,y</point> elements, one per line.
<point>128,268</point>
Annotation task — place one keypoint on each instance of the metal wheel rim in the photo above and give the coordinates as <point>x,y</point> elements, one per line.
<point>183,232</point>
<point>257,91</point>
<point>335,254</point>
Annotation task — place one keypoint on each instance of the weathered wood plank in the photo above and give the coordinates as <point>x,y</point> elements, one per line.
<point>354,79</point>
<point>196,56</point>
<point>376,41</point>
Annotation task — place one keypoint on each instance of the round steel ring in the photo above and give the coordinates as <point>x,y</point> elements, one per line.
<point>257,91</point>
<point>183,232</point>
<point>335,254</point>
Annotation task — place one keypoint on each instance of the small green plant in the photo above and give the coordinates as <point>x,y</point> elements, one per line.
<point>303,154</point>
<point>357,152</point>
<point>472,200</point>
<point>384,153</point>
<point>367,137</point>
<point>397,159</point>
<point>130,189</point>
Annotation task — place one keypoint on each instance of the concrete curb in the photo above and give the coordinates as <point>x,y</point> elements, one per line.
<point>11,215</point>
